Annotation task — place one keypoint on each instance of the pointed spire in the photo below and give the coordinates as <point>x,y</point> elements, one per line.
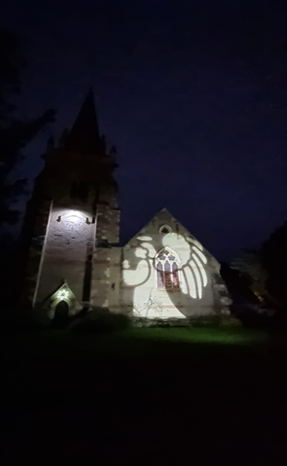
<point>84,136</point>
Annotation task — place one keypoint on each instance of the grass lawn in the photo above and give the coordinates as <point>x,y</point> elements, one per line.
<point>144,396</point>
<point>205,335</point>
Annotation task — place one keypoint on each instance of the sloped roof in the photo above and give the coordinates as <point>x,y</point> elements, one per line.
<point>165,210</point>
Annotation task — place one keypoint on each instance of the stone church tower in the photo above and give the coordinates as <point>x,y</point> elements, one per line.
<point>72,222</point>
<point>74,260</point>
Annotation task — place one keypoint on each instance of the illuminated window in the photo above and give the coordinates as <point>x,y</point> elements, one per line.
<point>63,294</point>
<point>165,229</point>
<point>167,270</point>
<point>83,191</point>
<point>74,189</point>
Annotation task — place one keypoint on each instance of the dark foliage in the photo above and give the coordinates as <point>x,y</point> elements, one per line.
<point>239,290</point>
<point>274,260</point>
<point>15,134</point>
<point>11,64</point>
<point>9,257</point>
<point>14,322</point>
<point>100,322</point>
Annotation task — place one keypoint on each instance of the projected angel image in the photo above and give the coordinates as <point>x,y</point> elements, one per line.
<point>164,276</point>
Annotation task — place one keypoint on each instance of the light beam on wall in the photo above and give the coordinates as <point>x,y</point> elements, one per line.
<point>200,254</point>
<point>140,274</point>
<point>201,269</point>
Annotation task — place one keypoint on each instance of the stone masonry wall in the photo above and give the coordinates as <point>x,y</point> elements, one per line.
<point>36,224</point>
<point>66,252</point>
<point>198,273</point>
<point>107,237</point>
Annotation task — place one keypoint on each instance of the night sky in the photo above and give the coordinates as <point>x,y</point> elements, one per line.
<point>193,95</point>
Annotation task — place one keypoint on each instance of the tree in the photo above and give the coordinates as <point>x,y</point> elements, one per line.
<point>274,260</point>
<point>11,64</point>
<point>15,134</point>
<point>265,268</point>
<point>249,265</point>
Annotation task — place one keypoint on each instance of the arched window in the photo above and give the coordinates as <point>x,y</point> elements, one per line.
<point>83,191</point>
<point>80,190</point>
<point>74,189</point>
<point>167,274</point>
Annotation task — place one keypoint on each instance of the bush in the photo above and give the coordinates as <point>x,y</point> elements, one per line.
<point>230,321</point>
<point>205,321</point>
<point>259,321</point>
<point>100,322</point>
<point>14,321</point>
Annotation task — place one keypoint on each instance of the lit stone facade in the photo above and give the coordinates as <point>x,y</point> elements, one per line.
<point>72,221</point>
<point>71,232</point>
<point>78,246</point>
<point>194,289</point>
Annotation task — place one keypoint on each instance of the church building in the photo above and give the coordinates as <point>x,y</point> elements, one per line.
<point>74,257</point>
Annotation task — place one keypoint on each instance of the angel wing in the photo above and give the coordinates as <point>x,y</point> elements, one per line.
<point>194,274</point>
<point>192,267</point>
<point>139,275</point>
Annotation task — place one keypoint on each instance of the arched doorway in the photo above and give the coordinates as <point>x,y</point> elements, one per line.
<point>61,313</point>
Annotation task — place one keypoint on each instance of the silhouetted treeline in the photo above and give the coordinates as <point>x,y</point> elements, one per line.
<point>265,269</point>
<point>15,135</point>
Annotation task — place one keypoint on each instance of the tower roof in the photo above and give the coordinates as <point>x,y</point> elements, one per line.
<point>84,136</point>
